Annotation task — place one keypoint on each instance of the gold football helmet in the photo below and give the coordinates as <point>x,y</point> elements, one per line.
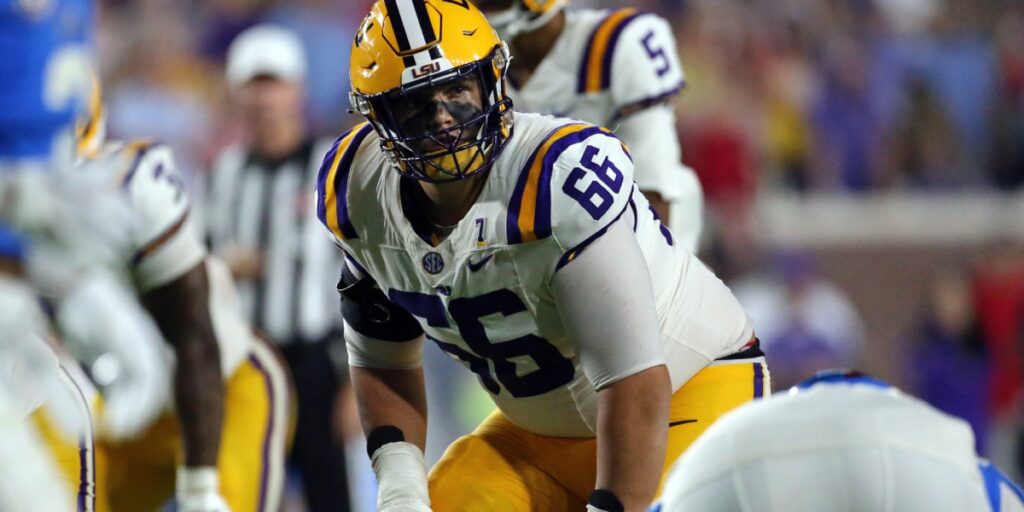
<point>412,58</point>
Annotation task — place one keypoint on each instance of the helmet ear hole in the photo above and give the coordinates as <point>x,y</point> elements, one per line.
<point>360,104</point>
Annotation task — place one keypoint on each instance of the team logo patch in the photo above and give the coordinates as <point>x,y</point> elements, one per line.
<point>433,263</point>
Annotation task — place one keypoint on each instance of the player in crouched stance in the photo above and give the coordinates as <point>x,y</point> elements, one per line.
<point>229,425</point>
<point>841,442</point>
<point>521,246</point>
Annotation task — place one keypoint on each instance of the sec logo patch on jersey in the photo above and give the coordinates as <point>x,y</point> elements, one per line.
<point>433,263</point>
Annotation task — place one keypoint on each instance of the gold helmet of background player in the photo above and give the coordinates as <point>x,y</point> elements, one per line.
<point>406,47</point>
<point>91,124</point>
<point>513,17</point>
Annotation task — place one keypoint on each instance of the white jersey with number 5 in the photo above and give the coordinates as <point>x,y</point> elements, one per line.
<point>620,69</point>
<point>484,294</point>
<point>603,64</point>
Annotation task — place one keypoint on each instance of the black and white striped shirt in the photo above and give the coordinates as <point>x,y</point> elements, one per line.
<point>270,206</point>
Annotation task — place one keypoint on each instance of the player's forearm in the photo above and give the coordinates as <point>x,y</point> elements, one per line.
<point>632,427</point>
<point>199,399</point>
<point>392,397</point>
<point>393,410</point>
<point>181,310</point>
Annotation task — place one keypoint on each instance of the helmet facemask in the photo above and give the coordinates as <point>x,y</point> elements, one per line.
<point>405,118</point>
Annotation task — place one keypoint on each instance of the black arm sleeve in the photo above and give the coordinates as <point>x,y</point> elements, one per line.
<point>369,312</point>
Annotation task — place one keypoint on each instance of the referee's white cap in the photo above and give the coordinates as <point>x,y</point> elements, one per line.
<point>265,50</point>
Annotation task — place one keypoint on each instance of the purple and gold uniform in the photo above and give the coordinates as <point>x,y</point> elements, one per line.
<point>140,474</point>
<point>484,296</point>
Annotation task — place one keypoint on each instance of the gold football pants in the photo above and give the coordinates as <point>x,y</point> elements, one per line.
<point>503,468</point>
<point>140,473</point>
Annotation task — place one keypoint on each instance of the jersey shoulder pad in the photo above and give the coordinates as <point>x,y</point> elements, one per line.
<point>645,68</point>
<point>158,194</point>
<point>632,55</point>
<point>577,181</point>
<point>151,175</point>
<point>332,182</point>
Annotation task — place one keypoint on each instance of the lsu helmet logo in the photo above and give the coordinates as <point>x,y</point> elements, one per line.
<point>426,69</point>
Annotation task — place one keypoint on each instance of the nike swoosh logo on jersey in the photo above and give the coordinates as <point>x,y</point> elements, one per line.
<point>473,267</point>
<point>680,422</point>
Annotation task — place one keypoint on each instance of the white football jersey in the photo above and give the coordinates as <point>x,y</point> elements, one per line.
<point>484,295</point>
<point>604,62</point>
<point>838,447</point>
<point>166,243</point>
<point>620,69</point>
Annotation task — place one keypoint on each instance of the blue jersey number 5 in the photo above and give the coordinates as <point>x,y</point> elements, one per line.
<point>553,369</point>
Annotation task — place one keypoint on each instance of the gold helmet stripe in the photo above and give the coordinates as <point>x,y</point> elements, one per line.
<point>595,71</point>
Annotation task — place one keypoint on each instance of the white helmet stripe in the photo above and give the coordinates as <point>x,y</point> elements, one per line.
<point>410,21</point>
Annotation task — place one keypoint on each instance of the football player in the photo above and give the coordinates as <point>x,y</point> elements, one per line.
<point>231,394</point>
<point>842,442</point>
<point>521,246</point>
<point>74,223</point>
<point>616,68</point>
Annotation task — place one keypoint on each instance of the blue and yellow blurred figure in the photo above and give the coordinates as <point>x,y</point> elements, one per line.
<point>43,80</point>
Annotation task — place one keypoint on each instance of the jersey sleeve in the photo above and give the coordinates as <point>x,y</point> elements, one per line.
<point>576,184</point>
<point>645,67</point>
<point>332,206</point>
<point>607,305</point>
<point>378,332</point>
<point>167,244</point>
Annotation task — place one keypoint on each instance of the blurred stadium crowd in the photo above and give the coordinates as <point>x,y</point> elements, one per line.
<point>850,95</point>
<point>819,98</point>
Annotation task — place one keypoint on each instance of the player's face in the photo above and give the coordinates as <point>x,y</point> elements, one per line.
<point>492,6</point>
<point>439,109</point>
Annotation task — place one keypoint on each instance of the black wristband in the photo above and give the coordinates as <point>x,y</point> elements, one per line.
<point>605,500</point>
<point>381,436</point>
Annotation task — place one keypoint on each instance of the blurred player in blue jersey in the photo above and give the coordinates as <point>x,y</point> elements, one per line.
<point>841,442</point>
<point>615,68</point>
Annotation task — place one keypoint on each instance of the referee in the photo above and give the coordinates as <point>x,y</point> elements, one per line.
<point>261,219</point>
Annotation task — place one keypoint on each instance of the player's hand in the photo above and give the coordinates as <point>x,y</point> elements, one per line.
<point>104,323</point>
<point>198,490</point>
<point>401,478</point>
